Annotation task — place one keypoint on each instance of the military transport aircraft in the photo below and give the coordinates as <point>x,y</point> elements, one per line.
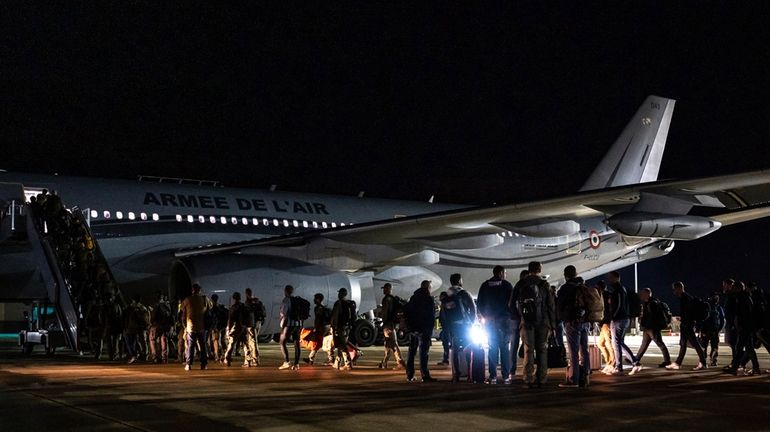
<point>168,233</point>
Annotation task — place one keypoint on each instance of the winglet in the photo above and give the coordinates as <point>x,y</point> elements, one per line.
<point>636,155</point>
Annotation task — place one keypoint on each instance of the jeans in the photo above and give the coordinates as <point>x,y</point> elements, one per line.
<point>286,333</point>
<point>419,340</point>
<point>535,339</point>
<point>687,334</point>
<point>744,349</point>
<point>515,337</point>
<point>391,345</point>
<point>195,340</point>
<point>130,339</point>
<point>618,330</point>
<point>498,329</point>
<point>605,345</point>
<point>649,335</point>
<point>159,343</point>
<point>711,338</point>
<point>577,344</point>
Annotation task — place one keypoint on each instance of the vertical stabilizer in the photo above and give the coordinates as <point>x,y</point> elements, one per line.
<point>636,155</point>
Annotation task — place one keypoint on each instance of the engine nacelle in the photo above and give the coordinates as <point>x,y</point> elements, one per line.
<point>266,276</point>
<point>661,225</point>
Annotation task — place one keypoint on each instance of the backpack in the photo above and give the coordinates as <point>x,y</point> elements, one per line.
<point>300,309</point>
<point>140,316</point>
<point>662,317</point>
<point>700,309</point>
<point>454,309</point>
<point>634,304</point>
<point>531,304</point>
<point>163,315</point>
<point>715,320</point>
<point>260,313</point>
<point>589,303</point>
<point>345,314</point>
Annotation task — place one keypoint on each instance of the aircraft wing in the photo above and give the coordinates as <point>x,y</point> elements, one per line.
<point>744,194</point>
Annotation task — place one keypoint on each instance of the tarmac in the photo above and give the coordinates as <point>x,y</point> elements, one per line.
<point>72,392</point>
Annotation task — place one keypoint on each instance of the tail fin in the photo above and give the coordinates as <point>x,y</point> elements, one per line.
<point>636,155</point>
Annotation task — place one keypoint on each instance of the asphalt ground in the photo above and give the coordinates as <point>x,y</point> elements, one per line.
<point>70,392</point>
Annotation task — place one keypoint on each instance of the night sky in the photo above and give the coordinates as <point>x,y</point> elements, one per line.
<point>472,105</point>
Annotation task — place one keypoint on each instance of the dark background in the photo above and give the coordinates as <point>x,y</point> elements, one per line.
<point>474,105</point>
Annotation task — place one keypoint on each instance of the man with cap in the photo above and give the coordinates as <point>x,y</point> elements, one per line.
<point>320,328</point>
<point>343,317</point>
<point>389,315</point>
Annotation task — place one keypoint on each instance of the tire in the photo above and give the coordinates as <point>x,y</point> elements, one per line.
<point>265,338</point>
<point>402,337</point>
<point>364,334</point>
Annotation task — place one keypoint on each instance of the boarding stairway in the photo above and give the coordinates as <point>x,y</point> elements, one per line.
<point>24,236</point>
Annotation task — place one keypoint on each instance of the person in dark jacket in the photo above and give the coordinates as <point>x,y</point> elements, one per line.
<point>708,330</point>
<point>729,305</point>
<point>605,333</point>
<point>235,327</point>
<point>459,313</point>
<point>420,316</point>
<point>653,319</point>
<point>687,329</point>
<point>620,320</point>
<point>576,329</point>
<point>493,299</point>
<point>321,328</point>
<point>761,317</point>
<point>389,316</point>
<point>744,326</point>
<point>342,319</point>
<point>444,334</point>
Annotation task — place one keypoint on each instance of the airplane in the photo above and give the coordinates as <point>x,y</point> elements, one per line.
<point>160,233</point>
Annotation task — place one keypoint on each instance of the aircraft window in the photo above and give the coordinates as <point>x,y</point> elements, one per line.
<point>223,220</point>
<point>315,224</point>
<point>304,224</point>
<point>265,222</point>
<point>342,223</point>
<point>245,221</point>
<point>285,223</point>
<point>131,215</point>
<point>275,222</point>
<point>323,224</point>
<point>334,225</point>
<point>119,215</point>
<point>213,219</point>
<point>234,220</point>
<point>296,224</point>
<point>190,218</point>
<point>143,216</point>
<point>155,216</point>
<point>201,219</point>
<point>94,214</point>
<point>502,234</point>
<point>179,218</point>
<point>254,221</point>
<point>106,214</point>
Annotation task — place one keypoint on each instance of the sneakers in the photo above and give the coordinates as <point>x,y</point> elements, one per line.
<point>636,369</point>
<point>567,385</point>
<point>382,365</point>
<point>411,380</point>
<point>508,381</point>
<point>307,360</point>
<point>204,367</point>
<point>752,372</point>
<point>491,381</point>
<point>295,367</point>
<point>132,360</point>
<point>246,364</point>
<point>428,379</point>
<point>187,367</point>
<point>700,366</point>
<point>608,369</point>
<point>673,366</point>
<point>616,372</point>
<point>285,365</point>
<point>664,364</point>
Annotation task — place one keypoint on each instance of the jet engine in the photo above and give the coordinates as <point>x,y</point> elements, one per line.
<point>661,225</point>
<point>267,276</point>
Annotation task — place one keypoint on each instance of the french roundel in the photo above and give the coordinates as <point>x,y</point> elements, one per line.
<point>594,240</point>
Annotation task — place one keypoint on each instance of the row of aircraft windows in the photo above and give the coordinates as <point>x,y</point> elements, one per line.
<point>220,219</point>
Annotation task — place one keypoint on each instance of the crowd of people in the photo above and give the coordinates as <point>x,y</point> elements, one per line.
<point>530,312</point>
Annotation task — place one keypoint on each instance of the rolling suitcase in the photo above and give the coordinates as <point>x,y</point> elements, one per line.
<point>595,357</point>
<point>476,372</point>
<point>461,368</point>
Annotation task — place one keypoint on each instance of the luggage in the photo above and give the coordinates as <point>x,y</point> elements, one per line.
<point>557,355</point>
<point>461,368</point>
<point>328,343</point>
<point>354,352</point>
<point>476,372</point>
<point>308,339</point>
<point>595,357</point>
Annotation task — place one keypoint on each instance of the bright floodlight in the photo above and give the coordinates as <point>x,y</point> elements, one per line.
<point>479,335</point>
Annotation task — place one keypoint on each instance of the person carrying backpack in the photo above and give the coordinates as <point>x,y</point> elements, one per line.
<point>709,330</point>
<point>576,328</point>
<point>744,325</point>
<point>656,316</point>
<point>389,315</point>
<point>193,310</point>
<point>535,303</point>
<point>321,329</point>
<point>136,320</point>
<point>291,324</point>
<point>459,315</point>
<point>250,353</point>
<point>218,331</point>
<point>621,319</point>
<point>689,310</point>
<point>342,319</point>
<point>161,321</point>
<point>493,299</point>
<point>235,327</point>
<point>419,313</point>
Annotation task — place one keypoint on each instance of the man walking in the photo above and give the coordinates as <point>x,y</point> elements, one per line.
<point>533,298</point>
<point>389,315</point>
<point>459,313</point>
<point>291,324</point>
<point>343,317</point>
<point>321,328</point>
<point>161,321</point>
<point>620,320</point>
<point>687,329</point>
<point>194,309</point>
<point>493,299</point>
<point>576,328</point>
<point>420,316</point>
<point>655,317</point>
